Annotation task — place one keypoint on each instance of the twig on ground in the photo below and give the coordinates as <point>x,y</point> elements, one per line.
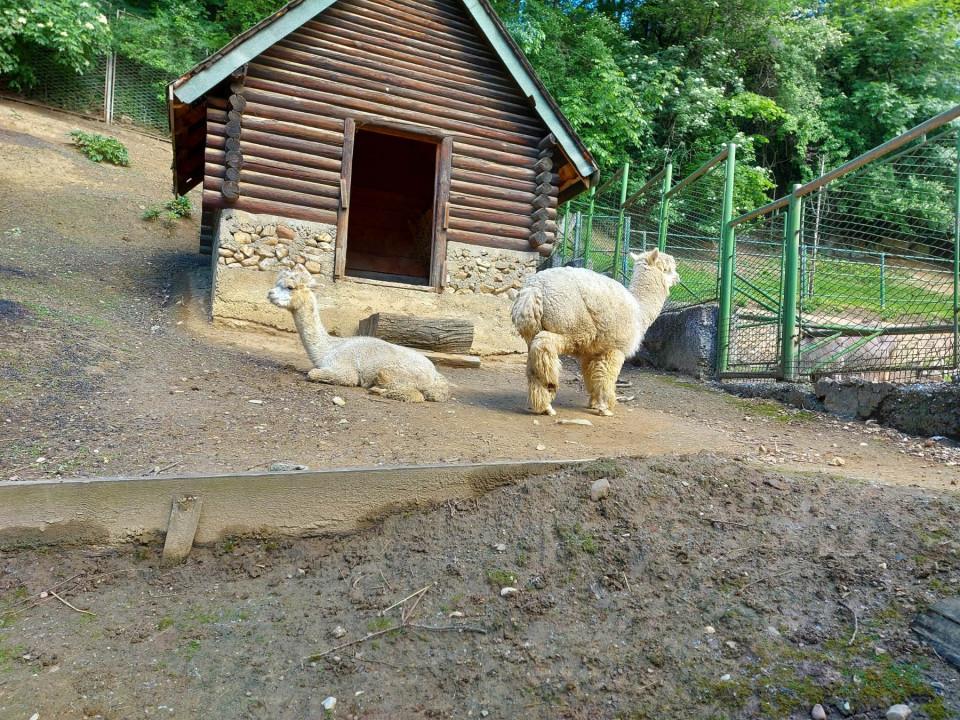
<point>400,602</point>
<point>625,580</point>
<point>341,646</point>
<point>856,622</point>
<point>451,628</point>
<point>765,578</point>
<point>67,603</point>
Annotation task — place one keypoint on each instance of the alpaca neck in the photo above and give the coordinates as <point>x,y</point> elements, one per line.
<point>313,335</point>
<point>649,287</point>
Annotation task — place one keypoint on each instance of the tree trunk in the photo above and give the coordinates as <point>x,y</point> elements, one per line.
<point>448,335</point>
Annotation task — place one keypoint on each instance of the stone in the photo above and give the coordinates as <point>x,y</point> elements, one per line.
<point>600,489</point>
<point>709,630</point>
<point>264,250</point>
<point>248,251</point>
<point>284,231</point>
<point>338,632</point>
<point>268,230</point>
<point>574,421</point>
<point>818,713</point>
<point>339,401</point>
<point>899,712</point>
<point>224,252</point>
<point>509,592</point>
<point>268,263</point>
<point>313,267</point>
<point>181,529</point>
<point>287,467</point>
<point>250,262</point>
<point>282,251</point>
<point>242,238</point>
<point>726,677</point>
<point>329,704</point>
<point>837,462</point>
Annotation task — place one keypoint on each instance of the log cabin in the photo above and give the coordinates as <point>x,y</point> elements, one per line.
<point>403,151</point>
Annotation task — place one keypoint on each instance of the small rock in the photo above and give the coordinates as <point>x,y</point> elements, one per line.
<point>725,678</point>
<point>338,631</point>
<point>541,446</point>
<point>286,467</point>
<point>899,712</point>
<point>339,401</point>
<point>500,547</point>
<point>255,402</point>
<point>575,421</point>
<point>731,644</point>
<point>329,704</point>
<point>771,631</point>
<point>455,614</point>
<point>818,713</point>
<point>845,709</point>
<point>35,716</point>
<point>709,630</point>
<point>285,232</point>
<point>600,489</point>
<point>838,461</point>
<point>509,592</point>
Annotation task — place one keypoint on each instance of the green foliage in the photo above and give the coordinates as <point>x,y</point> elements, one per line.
<point>170,211</point>
<point>71,31</point>
<point>173,39</point>
<point>100,148</point>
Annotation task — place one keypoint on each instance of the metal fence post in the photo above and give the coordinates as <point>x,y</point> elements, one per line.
<point>589,234</point>
<point>617,239</point>
<point>624,263</point>
<point>883,280</point>
<point>956,262</point>
<point>665,188</point>
<point>726,265</point>
<point>109,82</point>
<point>788,303</point>
<point>578,224</point>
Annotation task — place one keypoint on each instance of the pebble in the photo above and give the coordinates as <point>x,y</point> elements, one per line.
<point>600,489</point>
<point>818,713</point>
<point>255,402</point>
<point>541,446</point>
<point>709,629</point>
<point>838,461</point>
<point>899,712</point>
<point>500,547</point>
<point>725,678</point>
<point>509,592</point>
<point>575,421</point>
<point>455,614</point>
<point>338,631</point>
<point>287,467</point>
<point>339,401</point>
<point>329,704</point>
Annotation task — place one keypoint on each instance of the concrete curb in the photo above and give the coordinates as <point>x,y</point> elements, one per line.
<point>297,504</point>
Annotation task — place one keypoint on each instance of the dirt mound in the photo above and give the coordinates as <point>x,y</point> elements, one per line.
<point>700,588</point>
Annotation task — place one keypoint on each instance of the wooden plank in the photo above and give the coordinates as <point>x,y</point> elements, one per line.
<point>214,199</point>
<point>452,335</point>
<point>487,228</point>
<point>232,190</point>
<point>484,240</point>
<point>471,362</point>
<point>441,214</point>
<point>343,215</point>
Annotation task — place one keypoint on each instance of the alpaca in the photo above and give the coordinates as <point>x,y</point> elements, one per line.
<point>395,372</point>
<point>577,312</point>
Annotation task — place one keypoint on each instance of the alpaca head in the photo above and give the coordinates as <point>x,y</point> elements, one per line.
<point>661,262</point>
<point>294,289</point>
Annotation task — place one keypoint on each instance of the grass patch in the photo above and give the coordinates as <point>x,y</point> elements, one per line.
<point>602,468</point>
<point>575,540</point>
<point>100,148</point>
<point>771,409</point>
<point>501,578</point>
<point>164,623</point>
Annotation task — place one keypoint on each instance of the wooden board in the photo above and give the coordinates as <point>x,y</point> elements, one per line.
<point>471,362</point>
<point>450,335</point>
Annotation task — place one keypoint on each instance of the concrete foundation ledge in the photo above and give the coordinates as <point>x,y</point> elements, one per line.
<point>296,504</point>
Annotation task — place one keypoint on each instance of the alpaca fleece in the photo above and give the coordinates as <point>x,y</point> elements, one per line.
<point>578,312</point>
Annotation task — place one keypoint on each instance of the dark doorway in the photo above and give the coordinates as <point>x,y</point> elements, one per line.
<point>391,227</point>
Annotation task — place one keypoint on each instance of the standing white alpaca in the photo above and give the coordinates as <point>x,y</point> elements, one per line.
<point>395,372</point>
<point>577,312</point>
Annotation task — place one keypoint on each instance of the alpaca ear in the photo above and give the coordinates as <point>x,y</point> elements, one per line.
<point>636,257</point>
<point>653,256</point>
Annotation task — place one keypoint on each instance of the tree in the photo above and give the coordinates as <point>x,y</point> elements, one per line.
<point>70,32</point>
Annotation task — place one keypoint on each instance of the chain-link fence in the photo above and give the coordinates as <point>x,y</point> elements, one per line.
<point>113,88</point>
<point>855,272</point>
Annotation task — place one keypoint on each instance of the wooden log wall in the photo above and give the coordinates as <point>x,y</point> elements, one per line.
<point>418,62</point>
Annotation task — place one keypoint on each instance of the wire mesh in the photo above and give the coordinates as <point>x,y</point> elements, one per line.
<point>139,95</point>
<point>63,88</point>
<point>754,344</point>
<point>876,267</point>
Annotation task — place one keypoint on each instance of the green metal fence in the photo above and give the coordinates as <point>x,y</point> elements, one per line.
<point>856,271</point>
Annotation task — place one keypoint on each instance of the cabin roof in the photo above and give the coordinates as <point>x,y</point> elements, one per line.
<point>251,43</point>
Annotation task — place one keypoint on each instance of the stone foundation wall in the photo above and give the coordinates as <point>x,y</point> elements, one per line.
<point>260,242</point>
<point>252,248</point>
<point>488,271</point>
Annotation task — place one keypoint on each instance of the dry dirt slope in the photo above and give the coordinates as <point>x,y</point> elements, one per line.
<point>700,588</point>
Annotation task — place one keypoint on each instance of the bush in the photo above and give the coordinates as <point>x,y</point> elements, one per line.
<point>100,148</point>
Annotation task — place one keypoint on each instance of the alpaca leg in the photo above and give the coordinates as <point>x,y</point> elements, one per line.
<point>401,392</point>
<point>589,381</point>
<point>543,371</point>
<point>335,376</point>
<point>396,384</point>
<point>604,371</point>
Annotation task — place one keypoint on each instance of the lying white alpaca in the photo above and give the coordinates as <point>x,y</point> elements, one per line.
<point>577,312</point>
<point>389,370</point>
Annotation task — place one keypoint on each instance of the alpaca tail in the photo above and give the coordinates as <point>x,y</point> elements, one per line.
<point>527,312</point>
<point>438,390</point>
<point>401,392</point>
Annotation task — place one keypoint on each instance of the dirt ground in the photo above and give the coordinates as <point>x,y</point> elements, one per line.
<point>109,367</point>
<point>702,587</point>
